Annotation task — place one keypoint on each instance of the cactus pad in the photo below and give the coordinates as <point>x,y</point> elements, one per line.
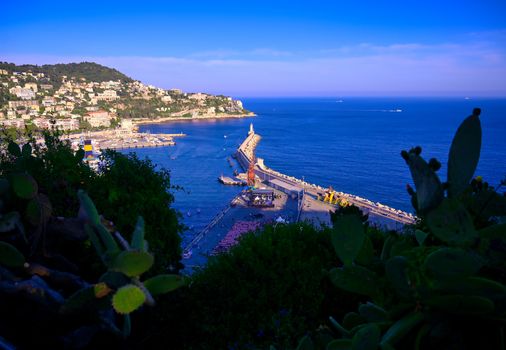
<point>452,263</point>
<point>38,209</point>
<point>14,149</point>
<point>24,186</point>
<point>163,284</point>
<point>464,154</point>
<point>138,235</point>
<point>452,223</point>
<point>355,279</point>
<point>10,256</point>
<point>429,191</point>
<point>367,338</point>
<point>128,299</point>
<point>348,237</point>
<point>88,209</point>
<point>26,150</point>
<point>133,263</point>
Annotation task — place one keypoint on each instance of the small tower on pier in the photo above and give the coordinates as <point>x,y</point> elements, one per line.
<point>251,131</point>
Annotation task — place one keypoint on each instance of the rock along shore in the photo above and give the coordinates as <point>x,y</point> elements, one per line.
<point>202,117</point>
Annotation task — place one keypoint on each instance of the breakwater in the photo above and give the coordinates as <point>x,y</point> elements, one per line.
<point>245,154</point>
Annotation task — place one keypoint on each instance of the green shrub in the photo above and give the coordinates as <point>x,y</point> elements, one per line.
<point>58,170</point>
<point>128,186</point>
<point>269,289</point>
<point>125,187</point>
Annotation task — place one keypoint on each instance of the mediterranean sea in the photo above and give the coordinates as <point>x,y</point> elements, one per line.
<point>351,144</point>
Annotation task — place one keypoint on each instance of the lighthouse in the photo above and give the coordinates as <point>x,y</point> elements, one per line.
<point>251,131</point>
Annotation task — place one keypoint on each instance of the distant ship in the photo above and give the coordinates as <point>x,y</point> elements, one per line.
<point>224,136</point>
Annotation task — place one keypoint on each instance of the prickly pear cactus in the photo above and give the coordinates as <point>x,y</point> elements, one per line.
<point>449,266</point>
<point>126,262</point>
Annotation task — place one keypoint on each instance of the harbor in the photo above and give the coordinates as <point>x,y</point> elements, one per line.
<point>275,198</point>
<point>120,139</point>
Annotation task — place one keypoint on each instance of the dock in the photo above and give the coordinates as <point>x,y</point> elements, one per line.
<point>123,139</point>
<point>231,182</point>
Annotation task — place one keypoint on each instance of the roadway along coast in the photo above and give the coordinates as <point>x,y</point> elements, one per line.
<point>196,117</point>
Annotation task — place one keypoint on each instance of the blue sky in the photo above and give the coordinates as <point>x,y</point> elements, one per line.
<point>273,48</point>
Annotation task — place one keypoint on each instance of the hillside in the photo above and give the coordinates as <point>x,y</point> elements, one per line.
<point>88,96</point>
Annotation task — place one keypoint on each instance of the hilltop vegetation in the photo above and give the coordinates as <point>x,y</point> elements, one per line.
<point>88,70</point>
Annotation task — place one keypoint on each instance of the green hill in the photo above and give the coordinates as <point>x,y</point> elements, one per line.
<point>88,70</point>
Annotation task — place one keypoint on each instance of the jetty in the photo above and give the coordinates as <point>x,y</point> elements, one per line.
<point>231,182</point>
<point>385,214</point>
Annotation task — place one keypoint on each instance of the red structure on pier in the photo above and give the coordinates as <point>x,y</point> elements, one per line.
<point>251,171</point>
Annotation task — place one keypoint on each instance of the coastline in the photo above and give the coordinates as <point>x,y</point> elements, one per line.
<point>204,117</point>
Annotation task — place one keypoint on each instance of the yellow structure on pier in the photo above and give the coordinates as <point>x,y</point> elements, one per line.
<point>332,197</point>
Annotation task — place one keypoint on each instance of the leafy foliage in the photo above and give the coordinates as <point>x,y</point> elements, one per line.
<point>125,188</point>
<point>89,70</point>
<point>128,187</point>
<point>267,290</point>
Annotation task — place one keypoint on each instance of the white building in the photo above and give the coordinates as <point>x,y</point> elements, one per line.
<point>24,94</point>
<point>98,118</point>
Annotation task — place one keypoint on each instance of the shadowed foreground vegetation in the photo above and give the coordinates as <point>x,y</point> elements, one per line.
<point>70,278</point>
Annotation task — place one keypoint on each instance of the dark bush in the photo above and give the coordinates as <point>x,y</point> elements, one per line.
<point>269,289</point>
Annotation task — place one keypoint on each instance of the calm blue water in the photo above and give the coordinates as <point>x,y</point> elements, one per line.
<point>353,145</point>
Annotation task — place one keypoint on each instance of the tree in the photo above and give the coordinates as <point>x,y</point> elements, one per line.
<point>128,186</point>
<point>265,291</point>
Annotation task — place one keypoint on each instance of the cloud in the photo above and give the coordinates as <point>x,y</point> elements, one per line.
<point>472,68</point>
<point>234,54</point>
